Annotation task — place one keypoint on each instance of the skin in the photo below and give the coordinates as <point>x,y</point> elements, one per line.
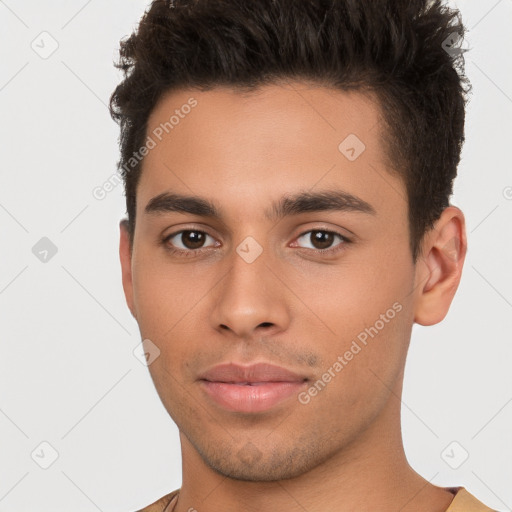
<point>292,306</point>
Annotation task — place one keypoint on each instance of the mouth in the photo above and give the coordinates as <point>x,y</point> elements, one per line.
<point>250,389</point>
<point>247,383</point>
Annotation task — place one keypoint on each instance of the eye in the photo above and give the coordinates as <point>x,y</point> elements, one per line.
<point>186,241</point>
<point>322,240</point>
<point>191,242</point>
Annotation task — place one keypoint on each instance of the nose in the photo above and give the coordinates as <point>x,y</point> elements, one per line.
<point>251,300</point>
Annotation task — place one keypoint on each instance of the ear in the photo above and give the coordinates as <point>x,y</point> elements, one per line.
<point>125,255</point>
<point>439,267</point>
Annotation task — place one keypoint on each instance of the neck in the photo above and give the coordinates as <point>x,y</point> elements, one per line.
<point>370,473</point>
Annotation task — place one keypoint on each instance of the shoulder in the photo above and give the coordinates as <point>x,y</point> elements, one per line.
<point>466,502</point>
<point>161,504</point>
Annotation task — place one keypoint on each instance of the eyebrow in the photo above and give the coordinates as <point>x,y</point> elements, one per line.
<point>302,202</point>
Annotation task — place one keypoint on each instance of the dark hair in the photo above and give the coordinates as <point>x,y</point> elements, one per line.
<point>401,51</point>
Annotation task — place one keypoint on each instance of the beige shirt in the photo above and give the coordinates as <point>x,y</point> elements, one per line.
<point>463,502</point>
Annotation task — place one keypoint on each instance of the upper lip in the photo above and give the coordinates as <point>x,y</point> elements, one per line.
<point>259,372</point>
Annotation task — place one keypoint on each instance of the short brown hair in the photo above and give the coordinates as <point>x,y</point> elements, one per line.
<point>397,49</point>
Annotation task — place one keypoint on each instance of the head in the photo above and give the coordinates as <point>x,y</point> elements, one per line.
<point>288,168</point>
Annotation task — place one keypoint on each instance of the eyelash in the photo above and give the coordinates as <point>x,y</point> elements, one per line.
<point>191,253</point>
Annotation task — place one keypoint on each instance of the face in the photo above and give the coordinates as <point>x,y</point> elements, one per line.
<point>297,257</point>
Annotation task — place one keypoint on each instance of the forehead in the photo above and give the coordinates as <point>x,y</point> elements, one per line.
<point>279,138</point>
<point>276,113</point>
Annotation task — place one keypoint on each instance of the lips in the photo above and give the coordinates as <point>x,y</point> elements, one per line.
<point>250,389</point>
<point>253,374</point>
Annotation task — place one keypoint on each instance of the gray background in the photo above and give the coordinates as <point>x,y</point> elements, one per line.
<point>68,375</point>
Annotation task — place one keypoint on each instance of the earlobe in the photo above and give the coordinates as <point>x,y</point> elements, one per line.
<point>439,270</point>
<point>125,256</point>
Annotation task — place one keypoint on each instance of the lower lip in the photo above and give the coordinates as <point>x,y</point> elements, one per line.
<point>246,398</point>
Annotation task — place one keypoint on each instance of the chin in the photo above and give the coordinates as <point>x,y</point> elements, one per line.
<point>257,473</point>
<point>251,464</point>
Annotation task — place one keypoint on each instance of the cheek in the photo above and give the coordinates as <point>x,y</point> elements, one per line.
<point>165,295</point>
<point>171,304</point>
<point>362,315</point>
<point>362,365</point>
<point>345,298</point>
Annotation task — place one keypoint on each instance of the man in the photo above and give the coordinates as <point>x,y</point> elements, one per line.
<point>288,168</point>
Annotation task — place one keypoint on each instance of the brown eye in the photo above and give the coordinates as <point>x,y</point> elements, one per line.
<point>192,239</point>
<point>187,239</point>
<point>322,240</point>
